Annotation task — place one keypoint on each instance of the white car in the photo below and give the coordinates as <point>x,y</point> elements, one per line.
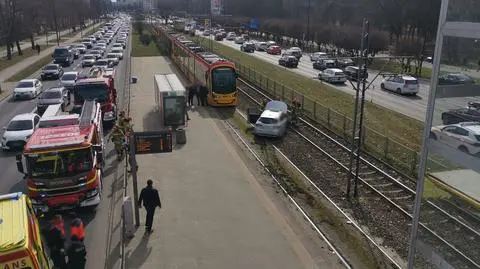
<point>113,58</point>
<point>317,56</point>
<point>332,75</point>
<point>69,79</point>
<point>102,63</point>
<point>463,136</point>
<point>89,60</point>
<point>27,89</point>
<point>401,84</point>
<point>19,130</point>
<point>273,121</point>
<point>239,40</point>
<point>118,53</point>
<point>231,36</point>
<point>117,46</point>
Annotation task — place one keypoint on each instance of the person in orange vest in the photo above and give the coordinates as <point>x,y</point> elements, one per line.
<point>76,228</point>
<point>56,241</point>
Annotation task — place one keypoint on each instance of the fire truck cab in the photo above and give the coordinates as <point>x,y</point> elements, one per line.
<point>97,84</point>
<point>64,163</point>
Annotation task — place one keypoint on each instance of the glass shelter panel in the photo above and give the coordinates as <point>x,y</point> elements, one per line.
<point>449,216</point>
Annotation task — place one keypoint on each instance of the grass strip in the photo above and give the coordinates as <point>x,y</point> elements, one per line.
<point>28,71</point>
<point>141,50</point>
<point>394,66</point>
<point>28,52</point>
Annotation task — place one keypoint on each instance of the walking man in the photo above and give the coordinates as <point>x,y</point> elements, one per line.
<point>203,95</point>
<point>37,47</point>
<point>191,94</point>
<point>198,89</point>
<point>150,198</point>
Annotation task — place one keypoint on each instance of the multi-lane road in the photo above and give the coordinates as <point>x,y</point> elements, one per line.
<point>411,106</point>
<point>97,221</point>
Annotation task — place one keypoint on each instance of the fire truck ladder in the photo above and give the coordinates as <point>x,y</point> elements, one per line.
<point>88,113</point>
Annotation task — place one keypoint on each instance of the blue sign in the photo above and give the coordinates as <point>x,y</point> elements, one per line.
<point>254,24</point>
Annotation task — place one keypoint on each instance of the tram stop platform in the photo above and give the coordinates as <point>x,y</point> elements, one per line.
<point>216,213</point>
<point>463,182</point>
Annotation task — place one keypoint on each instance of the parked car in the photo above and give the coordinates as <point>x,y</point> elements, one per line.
<point>247,47</point>
<point>354,73</point>
<point>288,61</point>
<point>53,96</point>
<point>27,89</point>
<point>239,40</point>
<point>54,71</point>
<point>463,136</point>
<point>324,64</point>
<point>344,62</point>
<point>69,79</point>
<point>455,79</point>
<point>261,46</point>
<point>19,130</point>
<point>296,51</point>
<point>274,50</point>
<point>103,63</point>
<point>89,60</point>
<point>219,37</point>
<point>207,33</point>
<point>332,75</point>
<point>460,115</point>
<point>231,36</point>
<point>113,59</point>
<point>273,121</point>
<point>118,53</point>
<point>316,56</point>
<point>401,84</point>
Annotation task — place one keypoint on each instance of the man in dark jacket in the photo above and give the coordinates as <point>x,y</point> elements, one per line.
<point>56,242</point>
<point>203,95</point>
<point>151,200</point>
<point>77,254</point>
<point>191,94</point>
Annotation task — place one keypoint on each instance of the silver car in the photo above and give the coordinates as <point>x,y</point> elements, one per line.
<point>89,60</point>
<point>69,79</point>
<point>53,96</point>
<point>51,71</point>
<point>273,121</point>
<point>112,58</point>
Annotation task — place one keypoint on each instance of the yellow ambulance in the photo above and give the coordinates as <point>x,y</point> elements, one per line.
<point>20,239</point>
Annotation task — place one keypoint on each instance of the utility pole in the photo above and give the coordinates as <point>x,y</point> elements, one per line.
<point>55,21</point>
<point>357,130</point>
<point>307,37</point>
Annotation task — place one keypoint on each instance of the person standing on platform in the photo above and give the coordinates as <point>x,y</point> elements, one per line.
<point>203,95</point>
<point>198,89</point>
<point>151,199</point>
<point>191,94</point>
<point>77,253</point>
<point>76,227</point>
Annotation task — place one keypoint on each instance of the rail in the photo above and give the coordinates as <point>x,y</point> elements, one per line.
<point>376,190</point>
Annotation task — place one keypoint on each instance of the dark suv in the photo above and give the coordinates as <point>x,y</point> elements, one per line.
<point>354,73</point>
<point>63,55</point>
<point>247,47</point>
<point>288,61</point>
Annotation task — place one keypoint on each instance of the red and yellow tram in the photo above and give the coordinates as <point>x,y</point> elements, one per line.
<point>207,69</point>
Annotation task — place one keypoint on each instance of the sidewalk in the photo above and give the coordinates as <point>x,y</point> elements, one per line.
<point>41,39</point>
<point>215,212</point>
<point>12,70</point>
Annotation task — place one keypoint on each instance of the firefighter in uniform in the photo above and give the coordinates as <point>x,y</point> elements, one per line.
<point>118,137</point>
<point>76,253</point>
<point>56,242</point>
<point>76,228</point>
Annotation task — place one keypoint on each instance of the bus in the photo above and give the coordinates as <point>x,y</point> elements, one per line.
<point>205,68</point>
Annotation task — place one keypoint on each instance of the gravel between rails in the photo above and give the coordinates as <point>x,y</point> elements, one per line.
<point>370,210</point>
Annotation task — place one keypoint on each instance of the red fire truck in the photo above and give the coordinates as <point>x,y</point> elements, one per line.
<point>97,84</point>
<point>64,163</point>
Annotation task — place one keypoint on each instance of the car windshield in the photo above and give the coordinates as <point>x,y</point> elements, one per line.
<point>84,92</point>
<point>69,77</point>
<point>20,125</point>
<point>89,57</point>
<point>224,80</point>
<point>102,62</point>
<point>59,52</point>
<point>51,95</point>
<point>111,56</point>
<point>59,164</point>
<point>25,84</point>
<point>267,120</point>
<point>50,67</point>
<point>116,51</point>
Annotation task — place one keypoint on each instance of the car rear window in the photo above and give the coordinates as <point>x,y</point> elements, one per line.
<point>69,77</point>
<point>338,73</point>
<point>411,81</point>
<point>268,120</point>
<point>25,84</point>
<point>51,67</point>
<point>51,95</point>
<point>88,57</point>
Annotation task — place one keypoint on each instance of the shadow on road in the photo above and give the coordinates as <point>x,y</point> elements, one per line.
<point>135,258</point>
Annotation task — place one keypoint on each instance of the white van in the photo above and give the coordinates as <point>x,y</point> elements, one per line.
<point>401,84</point>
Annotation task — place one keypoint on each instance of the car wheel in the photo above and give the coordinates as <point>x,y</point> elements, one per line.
<point>399,91</point>
<point>463,149</point>
<point>382,86</point>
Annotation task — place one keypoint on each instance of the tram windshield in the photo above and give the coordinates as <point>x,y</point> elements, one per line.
<point>224,80</point>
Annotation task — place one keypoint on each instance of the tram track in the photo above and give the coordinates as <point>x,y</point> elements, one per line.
<point>455,237</point>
